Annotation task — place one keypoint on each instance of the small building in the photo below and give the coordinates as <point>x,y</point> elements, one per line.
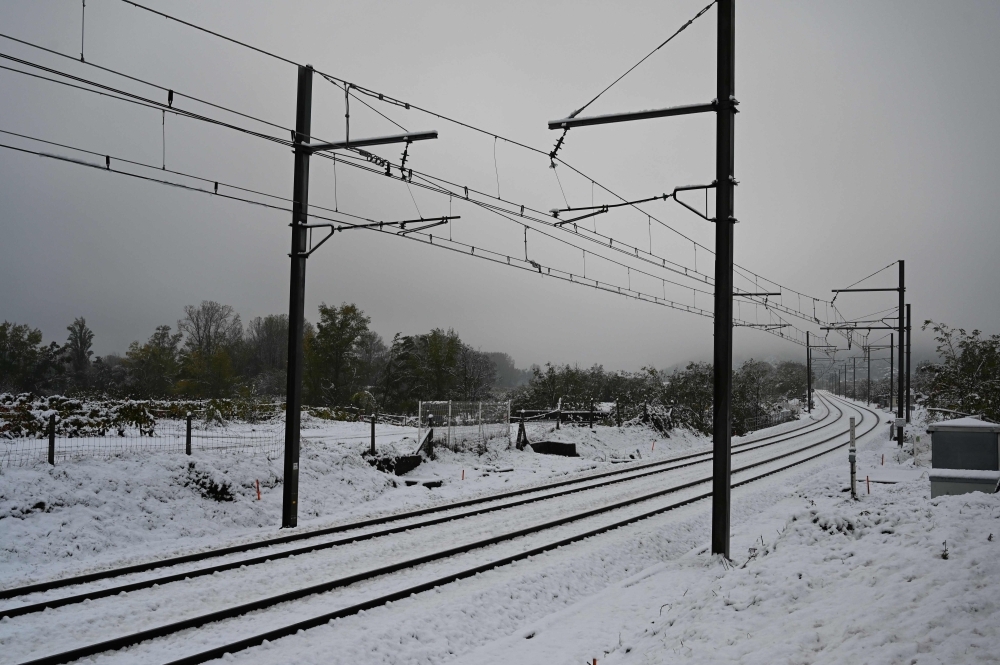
<point>964,445</point>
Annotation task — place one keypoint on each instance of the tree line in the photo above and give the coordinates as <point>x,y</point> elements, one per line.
<point>211,354</point>
<point>682,398</point>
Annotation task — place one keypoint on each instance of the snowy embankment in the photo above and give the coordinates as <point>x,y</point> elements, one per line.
<point>89,513</point>
<point>829,580</point>
<point>894,577</point>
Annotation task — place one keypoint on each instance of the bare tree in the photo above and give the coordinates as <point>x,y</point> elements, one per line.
<point>267,338</point>
<point>210,327</point>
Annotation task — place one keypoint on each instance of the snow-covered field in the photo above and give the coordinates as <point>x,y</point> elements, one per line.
<point>89,513</point>
<point>832,580</point>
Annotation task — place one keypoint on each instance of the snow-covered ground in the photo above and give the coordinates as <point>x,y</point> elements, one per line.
<point>832,580</point>
<point>89,513</point>
<point>894,577</point>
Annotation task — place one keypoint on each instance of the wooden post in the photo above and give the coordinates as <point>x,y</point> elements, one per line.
<point>373,435</point>
<point>187,437</point>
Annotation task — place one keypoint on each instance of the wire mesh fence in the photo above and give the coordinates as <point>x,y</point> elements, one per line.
<point>59,428</point>
<point>165,436</point>
<point>464,425</point>
<point>762,421</point>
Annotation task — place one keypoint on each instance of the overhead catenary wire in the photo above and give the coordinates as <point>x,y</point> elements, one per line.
<point>644,58</point>
<point>142,101</point>
<point>146,82</point>
<point>871,275</point>
<point>427,238</point>
<point>164,109</point>
<point>471,250</point>
<point>136,99</point>
<point>381,97</point>
<point>562,138</point>
<point>209,180</point>
<point>407,105</point>
<point>387,99</point>
<point>122,95</point>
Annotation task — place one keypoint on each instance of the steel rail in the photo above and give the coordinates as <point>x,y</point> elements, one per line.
<point>350,526</point>
<point>266,558</point>
<point>232,612</point>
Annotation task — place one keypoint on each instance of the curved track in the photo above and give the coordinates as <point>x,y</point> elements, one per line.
<point>632,483</point>
<point>576,484</point>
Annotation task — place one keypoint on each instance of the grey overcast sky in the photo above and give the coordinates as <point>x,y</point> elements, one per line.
<point>866,133</point>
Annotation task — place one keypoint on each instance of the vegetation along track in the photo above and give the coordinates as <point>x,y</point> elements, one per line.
<point>135,638</point>
<point>577,484</point>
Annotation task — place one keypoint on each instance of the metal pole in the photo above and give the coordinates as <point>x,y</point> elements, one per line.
<point>902,340</point>
<point>852,456</point>
<point>809,376</point>
<point>909,336</point>
<point>892,365</point>
<point>52,439</point>
<point>722,406</point>
<point>854,377</point>
<point>296,299</point>
<point>868,384</point>
<point>373,435</point>
<point>187,436</point>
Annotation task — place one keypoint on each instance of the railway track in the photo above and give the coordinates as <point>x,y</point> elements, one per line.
<point>533,493</point>
<point>810,449</point>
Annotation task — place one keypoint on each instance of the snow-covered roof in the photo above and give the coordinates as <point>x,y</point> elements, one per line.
<point>964,474</point>
<point>964,424</point>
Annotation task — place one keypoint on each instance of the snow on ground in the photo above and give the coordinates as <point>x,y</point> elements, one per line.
<point>894,577</point>
<point>829,580</point>
<point>89,513</point>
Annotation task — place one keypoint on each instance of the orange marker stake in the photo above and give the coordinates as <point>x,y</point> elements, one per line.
<point>868,485</point>
<point>258,489</point>
<point>883,459</point>
<point>463,474</point>
<point>653,448</point>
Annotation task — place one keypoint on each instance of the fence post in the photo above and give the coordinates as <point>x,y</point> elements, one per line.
<point>449,423</point>
<point>52,439</point>
<point>618,413</point>
<point>187,436</point>
<point>430,435</point>
<point>373,435</point>
<point>420,421</point>
<point>482,434</point>
<point>558,413</point>
<point>591,415</point>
